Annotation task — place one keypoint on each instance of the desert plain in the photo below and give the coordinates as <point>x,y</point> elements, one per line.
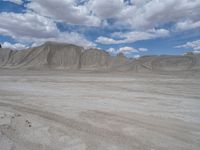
<point>60,110</point>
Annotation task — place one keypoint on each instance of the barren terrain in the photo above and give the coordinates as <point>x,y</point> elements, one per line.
<point>48,110</point>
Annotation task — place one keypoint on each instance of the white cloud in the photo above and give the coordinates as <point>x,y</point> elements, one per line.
<point>27,26</point>
<point>68,37</point>
<point>196,51</point>
<point>18,2</point>
<point>134,36</point>
<point>64,10</point>
<point>106,40</point>
<point>111,50</point>
<point>125,50</point>
<point>153,13</point>
<point>141,14</point>
<point>136,56</point>
<point>143,49</point>
<point>16,46</point>
<point>33,28</point>
<point>187,24</point>
<point>143,18</point>
<point>194,45</point>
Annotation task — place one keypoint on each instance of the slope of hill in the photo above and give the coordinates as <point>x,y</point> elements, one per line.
<point>66,56</point>
<point>49,55</point>
<point>94,59</point>
<point>4,56</point>
<point>166,63</point>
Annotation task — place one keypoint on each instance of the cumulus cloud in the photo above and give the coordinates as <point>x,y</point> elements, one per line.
<point>27,26</point>
<point>33,28</point>
<point>187,24</point>
<point>141,14</point>
<point>64,10</point>
<point>18,2</point>
<point>111,50</point>
<point>152,13</point>
<point>145,14</point>
<point>16,46</point>
<point>106,8</point>
<point>194,45</point>
<point>125,50</point>
<point>142,18</point>
<point>136,56</point>
<point>134,36</point>
<point>68,37</point>
<point>196,51</point>
<point>143,49</point>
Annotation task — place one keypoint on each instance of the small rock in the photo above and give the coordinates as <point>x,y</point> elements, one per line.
<point>17,115</point>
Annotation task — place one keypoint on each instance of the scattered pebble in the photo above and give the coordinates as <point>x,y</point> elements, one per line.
<point>29,123</point>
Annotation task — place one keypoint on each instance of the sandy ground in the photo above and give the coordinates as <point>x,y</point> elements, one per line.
<point>98,111</point>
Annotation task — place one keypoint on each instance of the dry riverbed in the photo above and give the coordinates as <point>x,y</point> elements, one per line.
<point>48,110</point>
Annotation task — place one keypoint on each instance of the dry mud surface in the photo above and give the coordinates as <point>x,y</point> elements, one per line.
<point>98,111</point>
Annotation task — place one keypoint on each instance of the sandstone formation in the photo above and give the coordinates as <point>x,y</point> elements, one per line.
<point>67,56</point>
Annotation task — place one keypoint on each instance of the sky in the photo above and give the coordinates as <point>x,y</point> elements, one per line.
<point>132,27</point>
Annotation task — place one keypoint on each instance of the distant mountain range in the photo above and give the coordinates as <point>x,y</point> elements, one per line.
<point>71,57</point>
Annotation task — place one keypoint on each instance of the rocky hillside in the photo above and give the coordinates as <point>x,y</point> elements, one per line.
<point>66,56</point>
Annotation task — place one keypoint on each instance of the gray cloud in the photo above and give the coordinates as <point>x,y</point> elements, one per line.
<point>106,8</point>
<point>64,10</point>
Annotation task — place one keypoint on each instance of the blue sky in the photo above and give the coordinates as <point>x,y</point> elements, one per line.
<point>133,27</point>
